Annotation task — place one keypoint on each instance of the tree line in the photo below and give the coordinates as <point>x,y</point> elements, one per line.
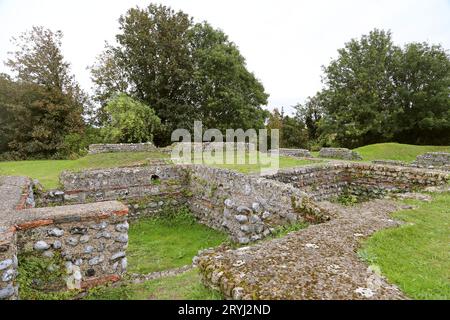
<point>164,71</point>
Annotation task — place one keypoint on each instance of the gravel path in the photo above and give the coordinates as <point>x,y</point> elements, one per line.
<point>319,262</point>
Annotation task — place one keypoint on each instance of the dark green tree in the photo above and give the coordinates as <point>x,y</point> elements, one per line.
<point>184,71</point>
<point>45,103</point>
<point>360,90</point>
<point>422,82</point>
<point>378,92</point>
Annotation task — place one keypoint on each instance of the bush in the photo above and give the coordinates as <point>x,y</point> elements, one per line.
<point>130,121</point>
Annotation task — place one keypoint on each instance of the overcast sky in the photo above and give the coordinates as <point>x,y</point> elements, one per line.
<point>285,42</point>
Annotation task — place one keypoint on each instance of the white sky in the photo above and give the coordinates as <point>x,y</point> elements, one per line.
<point>285,42</point>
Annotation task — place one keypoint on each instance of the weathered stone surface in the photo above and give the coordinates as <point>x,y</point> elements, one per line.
<point>41,245</point>
<point>123,237</point>
<point>57,244</point>
<point>118,255</point>
<point>72,241</point>
<point>56,232</point>
<point>6,292</point>
<point>96,260</point>
<point>5,264</point>
<point>122,227</point>
<point>8,275</point>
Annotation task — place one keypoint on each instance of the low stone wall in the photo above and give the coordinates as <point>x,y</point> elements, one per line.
<point>392,163</point>
<point>146,189</point>
<point>320,182</point>
<point>301,153</point>
<point>247,207</point>
<point>122,147</point>
<point>433,159</point>
<point>90,238</point>
<point>328,181</point>
<point>339,153</point>
<point>210,146</point>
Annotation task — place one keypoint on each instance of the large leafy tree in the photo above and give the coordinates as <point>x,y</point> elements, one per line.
<point>422,81</point>
<point>376,92</point>
<point>360,91</point>
<point>185,71</point>
<point>45,103</point>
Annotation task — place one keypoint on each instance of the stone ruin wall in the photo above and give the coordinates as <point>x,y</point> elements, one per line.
<point>122,147</point>
<point>91,234</point>
<point>328,181</point>
<point>211,146</point>
<point>91,239</point>
<point>246,207</point>
<point>301,153</point>
<point>145,189</point>
<point>430,160</point>
<point>339,153</point>
<point>433,160</point>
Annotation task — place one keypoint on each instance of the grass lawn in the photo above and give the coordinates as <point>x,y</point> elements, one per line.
<point>186,286</point>
<point>416,256</point>
<point>157,244</point>
<point>396,151</point>
<point>48,171</point>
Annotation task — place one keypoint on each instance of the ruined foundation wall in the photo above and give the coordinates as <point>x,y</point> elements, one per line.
<point>302,153</point>
<point>328,181</point>
<point>15,194</point>
<point>339,153</point>
<point>247,207</point>
<point>434,160</point>
<point>90,238</point>
<point>145,189</point>
<point>320,182</point>
<point>122,147</point>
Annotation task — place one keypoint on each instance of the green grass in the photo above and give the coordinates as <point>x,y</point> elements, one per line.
<point>48,171</point>
<point>186,286</point>
<point>163,243</point>
<point>396,151</point>
<point>416,256</point>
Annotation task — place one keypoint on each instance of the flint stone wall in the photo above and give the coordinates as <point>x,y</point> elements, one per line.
<point>92,238</point>
<point>211,146</point>
<point>301,153</point>
<point>247,207</point>
<point>339,153</point>
<point>433,159</point>
<point>329,181</point>
<point>122,147</point>
<point>146,189</point>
